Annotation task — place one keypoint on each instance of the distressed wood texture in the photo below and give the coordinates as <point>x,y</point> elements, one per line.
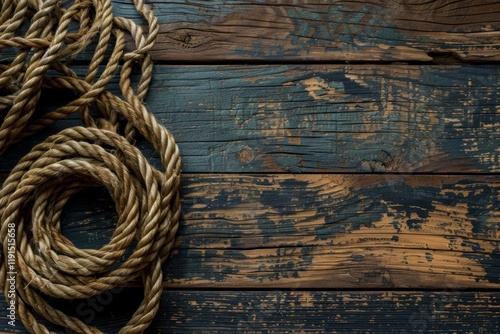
<point>323,231</point>
<point>325,118</point>
<point>440,31</point>
<point>321,30</point>
<point>341,168</point>
<point>449,311</point>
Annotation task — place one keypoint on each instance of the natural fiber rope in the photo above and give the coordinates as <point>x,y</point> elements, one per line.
<point>45,36</point>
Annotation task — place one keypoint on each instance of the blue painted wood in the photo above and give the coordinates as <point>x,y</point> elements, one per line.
<point>421,30</point>
<point>340,226</point>
<point>324,118</point>
<point>296,311</point>
<point>308,30</point>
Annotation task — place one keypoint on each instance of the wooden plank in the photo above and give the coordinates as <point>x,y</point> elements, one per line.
<point>299,312</point>
<point>325,118</point>
<point>330,312</point>
<point>324,31</point>
<point>323,231</point>
<point>319,30</point>
<point>312,30</point>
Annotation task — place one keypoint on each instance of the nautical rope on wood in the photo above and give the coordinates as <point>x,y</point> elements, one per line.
<point>46,36</point>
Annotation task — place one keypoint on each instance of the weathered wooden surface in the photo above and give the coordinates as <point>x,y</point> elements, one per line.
<point>440,31</point>
<point>329,312</point>
<point>447,311</point>
<point>326,118</point>
<point>401,163</point>
<point>312,30</point>
<point>323,231</point>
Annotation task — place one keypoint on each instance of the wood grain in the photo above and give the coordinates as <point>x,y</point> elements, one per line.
<point>324,118</point>
<point>440,31</point>
<point>330,312</point>
<point>312,30</point>
<point>392,225</point>
<point>299,312</point>
<point>323,231</point>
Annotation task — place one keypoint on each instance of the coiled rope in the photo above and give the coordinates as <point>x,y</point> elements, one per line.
<point>46,36</point>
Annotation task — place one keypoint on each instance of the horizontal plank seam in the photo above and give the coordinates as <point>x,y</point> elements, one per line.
<point>260,62</point>
<point>437,289</point>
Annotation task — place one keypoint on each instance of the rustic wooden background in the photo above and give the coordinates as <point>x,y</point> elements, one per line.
<point>341,166</point>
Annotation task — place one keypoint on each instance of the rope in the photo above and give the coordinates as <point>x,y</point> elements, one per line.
<point>46,36</point>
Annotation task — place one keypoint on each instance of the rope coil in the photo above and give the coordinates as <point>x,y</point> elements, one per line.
<point>45,35</point>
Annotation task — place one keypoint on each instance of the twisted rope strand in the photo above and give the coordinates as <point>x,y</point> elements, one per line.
<point>37,189</point>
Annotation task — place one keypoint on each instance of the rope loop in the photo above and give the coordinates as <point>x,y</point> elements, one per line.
<point>46,36</point>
